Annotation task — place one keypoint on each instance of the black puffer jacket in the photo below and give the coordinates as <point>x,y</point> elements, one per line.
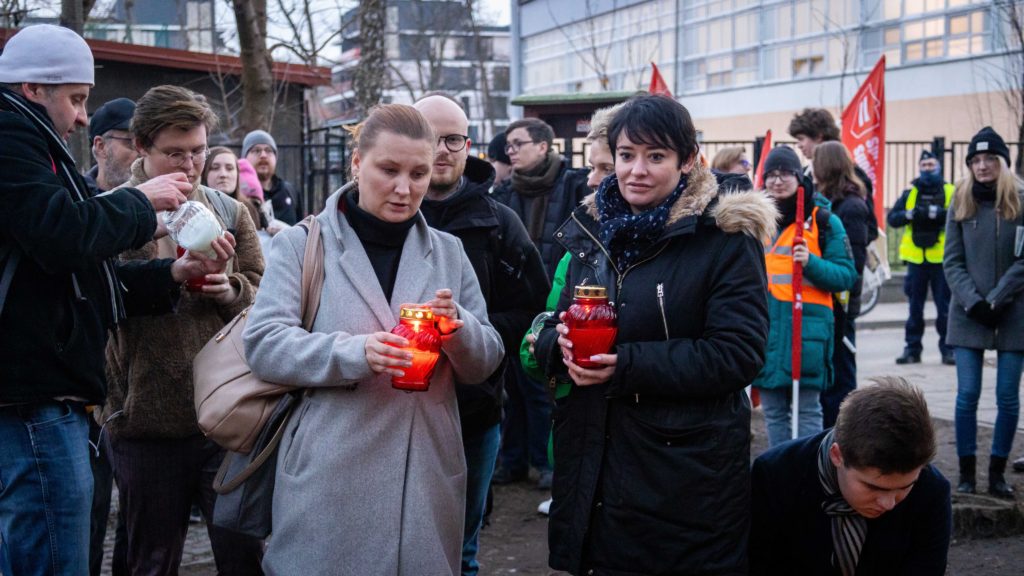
<point>570,188</point>
<point>512,278</point>
<point>853,211</point>
<point>53,329</point>
<point>652,468</point>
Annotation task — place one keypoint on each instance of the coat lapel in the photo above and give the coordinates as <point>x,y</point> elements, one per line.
<point>355,264</point>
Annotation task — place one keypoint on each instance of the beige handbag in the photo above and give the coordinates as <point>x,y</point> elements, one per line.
<point>232,404</point>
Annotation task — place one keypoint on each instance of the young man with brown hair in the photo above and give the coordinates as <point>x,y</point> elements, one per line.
<point>860,498</point>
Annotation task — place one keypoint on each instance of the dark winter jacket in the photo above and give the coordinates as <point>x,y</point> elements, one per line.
<point>570,188</point>
<point>508,267</point>
<point>652,467</point>
<point>855,215</point>
<point>790,534</point>
<point>53,328</point>
<point>869,198</point>
<point>285,200</point>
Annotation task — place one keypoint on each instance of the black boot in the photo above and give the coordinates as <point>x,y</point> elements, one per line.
<point>909,357</point>
<point>968,482</point>
<point>997,485</point>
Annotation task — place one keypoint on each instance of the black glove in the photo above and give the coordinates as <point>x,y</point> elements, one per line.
<point>983,314</point>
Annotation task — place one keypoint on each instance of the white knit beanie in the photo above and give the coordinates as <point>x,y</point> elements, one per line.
<point>47,54</point>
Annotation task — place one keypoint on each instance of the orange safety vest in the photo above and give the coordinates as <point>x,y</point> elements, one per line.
<point>779,260</point>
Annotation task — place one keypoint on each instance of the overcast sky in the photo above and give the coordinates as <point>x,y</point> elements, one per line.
<point>497,10</point>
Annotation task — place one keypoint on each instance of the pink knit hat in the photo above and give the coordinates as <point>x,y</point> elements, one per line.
<point>248,181</point>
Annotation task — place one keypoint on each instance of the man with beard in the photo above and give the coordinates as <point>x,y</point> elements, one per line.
<point>111,145</point>
<point>260,149</point>
<point>922,209</point>
<point>512,280</point>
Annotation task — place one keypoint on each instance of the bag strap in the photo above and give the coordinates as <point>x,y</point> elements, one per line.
<point>312,285</point>
<point>312,271</point>
<point>220,487</point>
<point>12,256</point>
<point>224,205</point>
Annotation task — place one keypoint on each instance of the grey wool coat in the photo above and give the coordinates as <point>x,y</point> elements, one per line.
<point>370,480</point>
<point>980,264</point>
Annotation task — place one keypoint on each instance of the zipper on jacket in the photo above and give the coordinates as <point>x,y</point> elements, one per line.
<point>661,305</point>
<point>618,283</point>
<point>596,241</point>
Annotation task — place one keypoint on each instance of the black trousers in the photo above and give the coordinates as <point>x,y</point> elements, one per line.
<point>158,480</point>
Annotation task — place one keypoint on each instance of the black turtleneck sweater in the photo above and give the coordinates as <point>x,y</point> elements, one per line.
<point>383,241</point>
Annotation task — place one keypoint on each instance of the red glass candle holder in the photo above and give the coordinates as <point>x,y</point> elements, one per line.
<point>192,284</point>
<point>592,324</point>
<point>417,326</point>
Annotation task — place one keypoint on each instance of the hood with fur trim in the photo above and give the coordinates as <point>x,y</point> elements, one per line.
<point>751,213</point>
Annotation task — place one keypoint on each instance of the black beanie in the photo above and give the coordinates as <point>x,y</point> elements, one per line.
<point>927,155</point>
<point>783,158</point>
<point>986,140</point>
<point>496,149</point>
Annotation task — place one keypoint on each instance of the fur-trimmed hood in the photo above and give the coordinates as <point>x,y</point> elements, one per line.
<point>751,212</point>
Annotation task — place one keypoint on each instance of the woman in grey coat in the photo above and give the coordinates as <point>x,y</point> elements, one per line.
<point>371,480</point>
<point>984,265</point>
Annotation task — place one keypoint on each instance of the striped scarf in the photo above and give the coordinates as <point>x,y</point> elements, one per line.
<point>849,529</point>
<point>64,168</point>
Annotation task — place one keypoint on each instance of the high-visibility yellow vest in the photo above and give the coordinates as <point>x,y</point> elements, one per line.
<point>778,259</point>
<point>910,252</point>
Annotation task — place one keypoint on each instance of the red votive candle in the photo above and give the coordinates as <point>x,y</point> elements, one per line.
<point>417,326</point>
<point>592,324</point>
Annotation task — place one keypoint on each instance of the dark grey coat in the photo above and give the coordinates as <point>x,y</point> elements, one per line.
<point>980,265</point>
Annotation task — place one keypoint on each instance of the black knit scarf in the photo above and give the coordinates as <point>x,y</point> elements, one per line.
<point>624,233</point>
<point>984,192</point>
<point>64,166</point>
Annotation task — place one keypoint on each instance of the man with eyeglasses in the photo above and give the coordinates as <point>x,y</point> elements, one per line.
<point>260,149</point>
<point>111,145</point>
<point>543,191</point>
<point>61,291</point>
<point>162,462</point>
<point>512,280</point>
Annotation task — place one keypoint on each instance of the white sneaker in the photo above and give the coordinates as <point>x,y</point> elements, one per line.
<point>544,507</point>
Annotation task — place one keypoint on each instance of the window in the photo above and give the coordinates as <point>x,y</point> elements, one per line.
<point>778,22</point>
<point>745,29</point>
<point>694,76</point>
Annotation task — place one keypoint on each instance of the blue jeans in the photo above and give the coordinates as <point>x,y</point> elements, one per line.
<point>968,390</point>
<point>915,286</point>
<point>527,423</point>
<point>481,454</point>
<point>777,405</point>
<point>45,489</point>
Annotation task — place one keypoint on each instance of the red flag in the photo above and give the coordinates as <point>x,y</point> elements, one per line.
<point>658,85</point>
<point>864,132</point>
<point>759,172</point>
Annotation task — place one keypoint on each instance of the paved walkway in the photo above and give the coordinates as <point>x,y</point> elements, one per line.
<point>880,341</point>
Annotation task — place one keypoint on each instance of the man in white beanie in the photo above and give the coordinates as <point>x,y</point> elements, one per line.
<point>260,149</point>
<point>61,290</point>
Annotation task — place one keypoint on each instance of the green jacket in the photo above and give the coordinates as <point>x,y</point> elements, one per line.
<point>833,271</point>
<point>528,360</point>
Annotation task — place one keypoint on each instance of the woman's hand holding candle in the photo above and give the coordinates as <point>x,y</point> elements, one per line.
<point>445,311</point>
<point>384,356</point>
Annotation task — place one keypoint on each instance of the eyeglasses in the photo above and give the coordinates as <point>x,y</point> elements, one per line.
<point>177,159</point>
<point>780,176</point>
<point>453,142</point>
<point>515,145</point>
<point>259,150</point>
<point>990,159</point>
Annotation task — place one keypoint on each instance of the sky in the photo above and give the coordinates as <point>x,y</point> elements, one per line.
<point>497,10</point>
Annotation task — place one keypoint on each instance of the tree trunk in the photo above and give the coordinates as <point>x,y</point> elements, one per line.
<point>371,71</point>
<point>257,66</point>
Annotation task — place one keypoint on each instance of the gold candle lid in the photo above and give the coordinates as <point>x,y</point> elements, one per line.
<point>590,292</point>
<point>412,313</point>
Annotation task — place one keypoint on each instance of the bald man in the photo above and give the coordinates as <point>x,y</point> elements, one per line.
<point>512,280</point>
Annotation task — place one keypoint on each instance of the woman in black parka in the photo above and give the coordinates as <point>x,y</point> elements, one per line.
<point>652,451</point>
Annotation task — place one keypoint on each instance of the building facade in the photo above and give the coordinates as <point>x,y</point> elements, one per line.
<point>745,66</point>
<point>433,45</point>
